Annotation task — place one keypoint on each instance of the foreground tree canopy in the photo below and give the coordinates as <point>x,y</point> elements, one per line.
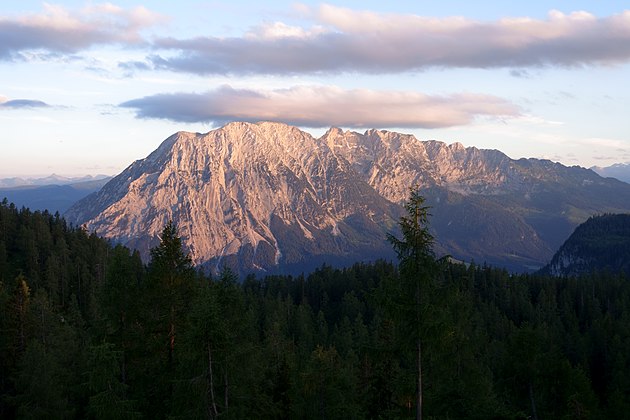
<point>88,331</point>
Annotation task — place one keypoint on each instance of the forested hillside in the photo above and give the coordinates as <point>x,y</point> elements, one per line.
<point>88,331</point>
<point>601,243</point>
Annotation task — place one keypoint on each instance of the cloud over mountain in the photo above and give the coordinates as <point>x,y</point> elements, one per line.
<point>346,40</point>
<point>319,106</point>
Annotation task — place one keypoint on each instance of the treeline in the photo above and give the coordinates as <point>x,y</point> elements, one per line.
<point>88,331</point>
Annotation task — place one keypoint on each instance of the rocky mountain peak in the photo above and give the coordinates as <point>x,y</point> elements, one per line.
<point>457,147</point>
<point>268,196</point>
<point>250,195</point>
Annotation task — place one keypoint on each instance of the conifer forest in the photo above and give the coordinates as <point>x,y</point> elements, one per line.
<point>87,330</point>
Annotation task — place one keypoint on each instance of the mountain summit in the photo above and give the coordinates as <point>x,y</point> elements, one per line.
<point>250,196</point>
<point>270,197</point>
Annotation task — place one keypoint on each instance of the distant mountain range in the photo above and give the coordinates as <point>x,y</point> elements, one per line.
<point>53,193</point>
<point>53,179</point>
<point>602,243</point>
<point>621,171</point>
<point>270,197</point>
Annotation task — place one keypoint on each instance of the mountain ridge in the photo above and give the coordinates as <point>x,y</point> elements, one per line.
<point>52,197</point>
<point>53,179</point>
<point>263,193</point>
<point>621,171</point>
<point>275,196</point>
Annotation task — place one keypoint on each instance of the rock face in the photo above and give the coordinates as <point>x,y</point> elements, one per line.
<point>250,196</point>
<point>486,206</point>
<point>270,197</point>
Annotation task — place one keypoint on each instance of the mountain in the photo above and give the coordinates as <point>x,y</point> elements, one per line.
<point>250,196</point>
<point>269,196</point>
<point>54,198</point>
<point>621,171</point>
<point>486,206</point>
<point>601,243</point>
<point>53,179</point>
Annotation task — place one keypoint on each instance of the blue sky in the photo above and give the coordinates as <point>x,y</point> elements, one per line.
<point>89,87</point>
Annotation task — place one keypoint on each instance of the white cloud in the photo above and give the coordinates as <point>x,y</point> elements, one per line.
<point>605,142</point>
<point>323,106</point>
<point>279,30</point>
<point>535,120</point>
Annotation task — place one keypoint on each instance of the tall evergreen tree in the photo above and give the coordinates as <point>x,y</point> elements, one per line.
<point>417,272</point>
<point>170,286</point>
<point>172,274</point>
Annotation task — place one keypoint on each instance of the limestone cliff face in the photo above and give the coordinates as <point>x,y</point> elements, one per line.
<point>252,196</point>
<point>393,162</point>
<point>270,197</point>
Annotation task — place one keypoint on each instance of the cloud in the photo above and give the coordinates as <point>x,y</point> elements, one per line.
<point>131,66</point>
<point>534,120</point>
<point>337,40</point>
<point>21,103</point>
<point>520,73</point>
<point>604,142</point>
<point>58,30</point>
<point>323,106</point>
<point>345,40</point>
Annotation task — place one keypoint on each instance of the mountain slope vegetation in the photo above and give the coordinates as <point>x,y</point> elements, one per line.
<point>602,243</point>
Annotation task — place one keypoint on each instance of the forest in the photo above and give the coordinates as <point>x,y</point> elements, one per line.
<point>87,330</point>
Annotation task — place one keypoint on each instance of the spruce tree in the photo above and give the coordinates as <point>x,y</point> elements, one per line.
<point>417,270</point>
<point>169,290</point>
